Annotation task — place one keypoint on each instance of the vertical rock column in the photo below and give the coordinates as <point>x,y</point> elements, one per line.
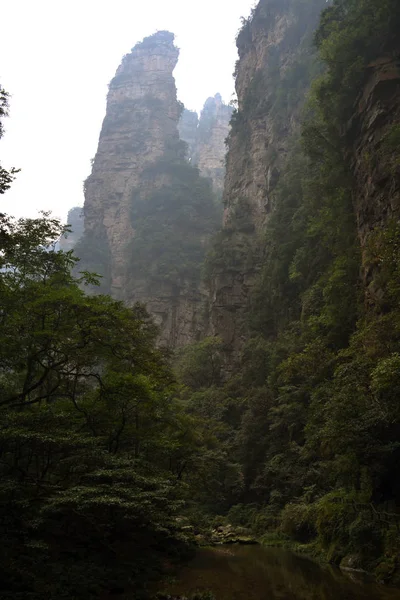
<point>141,120</point>
<point>209,152</point>
<point>206,139</point>
<point>148,212</point>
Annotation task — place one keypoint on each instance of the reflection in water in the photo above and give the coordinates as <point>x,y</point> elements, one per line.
<point>257,573</point>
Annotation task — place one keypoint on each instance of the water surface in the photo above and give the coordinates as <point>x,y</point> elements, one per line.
<point>257,573</point>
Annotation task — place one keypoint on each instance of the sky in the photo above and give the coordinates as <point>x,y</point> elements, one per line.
<point>56,60</point>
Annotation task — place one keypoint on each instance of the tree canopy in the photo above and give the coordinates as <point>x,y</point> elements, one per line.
<point>87,496</point>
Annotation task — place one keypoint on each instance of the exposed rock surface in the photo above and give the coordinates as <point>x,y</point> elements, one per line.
<point>372,140</point>
<point>269,46</point>
<point>141,118</point>
<point>188,125</point>
<point>225,534</point>
<point>179,313</point>
<point>148,213</point>
<point>206,139</point>
<point>210,150</point>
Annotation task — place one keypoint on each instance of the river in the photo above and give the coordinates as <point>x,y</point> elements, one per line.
<point>257,573</point>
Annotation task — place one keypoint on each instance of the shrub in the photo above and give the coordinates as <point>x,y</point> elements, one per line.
<point>298,521</point>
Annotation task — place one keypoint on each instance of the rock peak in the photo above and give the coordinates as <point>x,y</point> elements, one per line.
<point>148,213</point>
<point>160,38</point>
<point>139,126</point>
<point>155,56</point>
<point>213,101</point>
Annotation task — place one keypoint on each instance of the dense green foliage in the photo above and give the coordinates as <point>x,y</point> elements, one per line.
<point>351,34</point>
<point>6,176</point>
<point>89,433</point>
<point>173,224</point>
<point>97,454</point>
<point>103,457</point>
<point>316,432</point>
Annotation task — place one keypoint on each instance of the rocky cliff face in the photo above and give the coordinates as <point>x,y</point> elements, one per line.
<point>141,118</point>
<point>272,76</point>
<point>372,138</point>
<point>188,125</point>
<point>210,150</point>
<point>148,213</point>
<point>206,139</point>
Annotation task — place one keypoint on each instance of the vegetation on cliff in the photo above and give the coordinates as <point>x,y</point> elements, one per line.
<point>6,175</point>
<point>173,224</point>
<point>315,430</point>
<point>105,459</point>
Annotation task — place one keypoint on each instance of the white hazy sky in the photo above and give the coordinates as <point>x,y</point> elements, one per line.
<point>56,59</point>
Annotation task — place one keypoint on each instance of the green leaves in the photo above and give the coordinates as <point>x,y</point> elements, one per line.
<point>199,366</point>
<point>6,176</point>
<point>173,224</point>
<point>350,35</point>
<point>317,385</point>
<point>86,476</point>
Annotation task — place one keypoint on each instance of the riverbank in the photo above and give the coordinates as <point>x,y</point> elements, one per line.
<point>225,534</point>
<point>256,572</point>
<point>384,570</point>
<point>384,567</point>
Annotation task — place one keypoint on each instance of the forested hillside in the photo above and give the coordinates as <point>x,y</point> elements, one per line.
<point>116,455</point>
<point>307,384</point>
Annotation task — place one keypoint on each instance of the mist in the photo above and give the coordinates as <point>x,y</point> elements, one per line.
<point>57,61</point>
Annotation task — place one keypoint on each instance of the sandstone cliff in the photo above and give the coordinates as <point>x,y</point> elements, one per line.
<point>148,213</point>
<point>188,126</point>
<point>372,137</point>
<point>141,116</point>
<point>206,139</point>
<point>272,76</point>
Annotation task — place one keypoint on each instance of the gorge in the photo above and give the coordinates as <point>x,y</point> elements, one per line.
<point>279,299</point>
<point>213,357</point>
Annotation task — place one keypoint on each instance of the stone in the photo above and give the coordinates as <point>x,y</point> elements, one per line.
<point>206,141</point>
<point>140,132</point>
<point>257,151</point>
<point>228,534</point>
<point>377,181</point>
<point>351,562</point>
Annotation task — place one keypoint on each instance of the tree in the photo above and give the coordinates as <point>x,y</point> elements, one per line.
<point>6,177</point>
<point>85,405</point>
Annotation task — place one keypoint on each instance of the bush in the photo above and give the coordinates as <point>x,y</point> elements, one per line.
<point>298,521</point>
<point>242,514</point>
<point>264,520</point>
<point>334,516</point>
<point>366,536</point>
